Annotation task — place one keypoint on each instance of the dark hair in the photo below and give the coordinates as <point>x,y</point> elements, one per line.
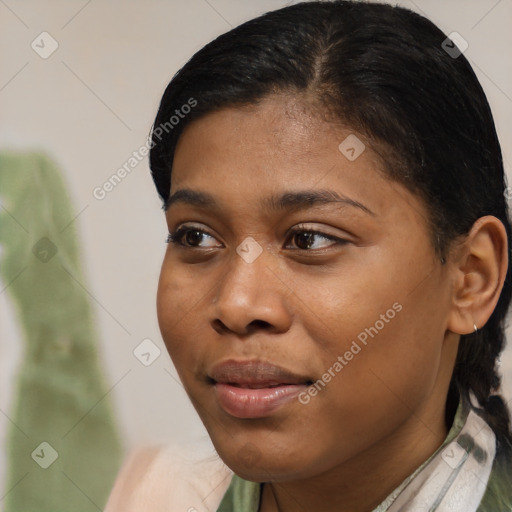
<point>385,72</point>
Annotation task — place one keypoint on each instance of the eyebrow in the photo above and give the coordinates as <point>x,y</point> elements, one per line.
<point>288,201</point>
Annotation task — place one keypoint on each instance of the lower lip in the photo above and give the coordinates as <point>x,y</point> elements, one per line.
<point>255,403</point>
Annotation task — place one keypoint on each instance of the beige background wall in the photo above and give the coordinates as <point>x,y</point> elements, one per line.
<point>91,104</point>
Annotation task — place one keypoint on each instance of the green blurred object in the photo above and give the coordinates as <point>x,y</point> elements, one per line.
<point>61,396</point>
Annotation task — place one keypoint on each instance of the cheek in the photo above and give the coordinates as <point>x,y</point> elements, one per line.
<point>345,307</point>
<point>178,301</point>
<point>391,361</point>
<point>388,337</point>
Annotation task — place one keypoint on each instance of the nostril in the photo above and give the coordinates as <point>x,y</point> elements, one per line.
<point>222,328</point>
<point>259,324</point>
<point>219,327</point>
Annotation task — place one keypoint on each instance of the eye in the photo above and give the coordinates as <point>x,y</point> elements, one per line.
<point>305,238</point>
<point>189,237</point>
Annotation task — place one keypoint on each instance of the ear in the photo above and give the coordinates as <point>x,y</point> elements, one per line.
<point>479,268</point>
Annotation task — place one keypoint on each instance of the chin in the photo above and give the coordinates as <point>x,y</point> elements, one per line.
<point>266,464</point>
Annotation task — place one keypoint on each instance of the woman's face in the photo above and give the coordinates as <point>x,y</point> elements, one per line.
<point>306,310</point>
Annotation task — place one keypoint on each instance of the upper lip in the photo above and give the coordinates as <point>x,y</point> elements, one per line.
<point>254,373</point>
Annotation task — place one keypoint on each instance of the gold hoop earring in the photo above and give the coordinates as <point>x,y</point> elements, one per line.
<point>475,327</point>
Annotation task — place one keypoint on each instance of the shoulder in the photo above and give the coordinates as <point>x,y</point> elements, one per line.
<point>169,478</point>
<point>498,496</point>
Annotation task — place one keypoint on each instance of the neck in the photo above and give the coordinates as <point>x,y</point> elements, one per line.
<point>363,482</point>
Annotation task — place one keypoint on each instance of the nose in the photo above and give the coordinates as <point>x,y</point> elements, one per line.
<point>251,296</point>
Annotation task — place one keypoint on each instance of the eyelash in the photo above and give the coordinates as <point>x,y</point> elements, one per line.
<point>176,236</point>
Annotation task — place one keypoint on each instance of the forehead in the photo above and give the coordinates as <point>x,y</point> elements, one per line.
<point>275,127</point>
<point>281,143</point>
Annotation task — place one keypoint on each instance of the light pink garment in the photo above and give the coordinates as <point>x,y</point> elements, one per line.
<point>169,479</point>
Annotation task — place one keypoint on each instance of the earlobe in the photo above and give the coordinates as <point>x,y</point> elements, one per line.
<point>479,266</point>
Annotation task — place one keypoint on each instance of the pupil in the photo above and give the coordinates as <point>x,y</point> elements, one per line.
<point>307,238</point>
<point>193,236</point>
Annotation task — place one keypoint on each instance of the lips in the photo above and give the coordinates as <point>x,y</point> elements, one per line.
<point>254,389</point>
